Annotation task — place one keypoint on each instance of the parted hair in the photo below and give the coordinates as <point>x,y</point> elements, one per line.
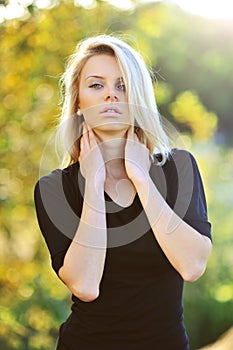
<point>139,89</point>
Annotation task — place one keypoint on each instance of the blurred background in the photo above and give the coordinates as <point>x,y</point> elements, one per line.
<point>189,45</point>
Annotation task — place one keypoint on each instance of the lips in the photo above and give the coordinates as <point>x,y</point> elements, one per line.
<point>111,109</point>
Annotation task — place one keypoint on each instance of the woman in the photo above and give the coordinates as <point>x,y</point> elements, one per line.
<point>125,222</point>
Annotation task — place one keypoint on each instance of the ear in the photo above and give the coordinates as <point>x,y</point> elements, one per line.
<point>79,113</point>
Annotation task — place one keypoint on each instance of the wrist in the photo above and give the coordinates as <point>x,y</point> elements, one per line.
<point>141,181</point>
<point>94,187</point>
<point>94,197</point>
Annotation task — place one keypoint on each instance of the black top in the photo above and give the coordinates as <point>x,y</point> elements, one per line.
<point>140,301</point>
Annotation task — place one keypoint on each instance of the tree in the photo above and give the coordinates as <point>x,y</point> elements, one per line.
<point>33,55</point>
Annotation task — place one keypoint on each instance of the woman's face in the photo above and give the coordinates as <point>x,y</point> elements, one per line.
<point>102,95</point>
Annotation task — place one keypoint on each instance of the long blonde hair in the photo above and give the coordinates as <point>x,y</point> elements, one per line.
<point>139,89</point>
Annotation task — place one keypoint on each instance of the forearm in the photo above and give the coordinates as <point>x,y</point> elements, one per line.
<point>186,249</point>
<point>84,261</point>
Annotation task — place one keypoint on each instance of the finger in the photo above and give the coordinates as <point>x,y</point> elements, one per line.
<point>130,134</point>
<point>81,149</point>
<point>85,136</point>
<point>84,128</point>
<point>92,138</point>
<point>88,127</point>
<point>136,138</point>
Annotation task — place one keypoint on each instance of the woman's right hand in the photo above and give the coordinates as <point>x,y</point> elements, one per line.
<point>91,161</point>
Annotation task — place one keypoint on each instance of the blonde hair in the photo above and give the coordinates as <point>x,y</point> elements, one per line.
<point>139,89</point>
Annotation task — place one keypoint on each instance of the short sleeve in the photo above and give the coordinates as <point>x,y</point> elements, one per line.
<point>186,191</point>
<point>58,208</point>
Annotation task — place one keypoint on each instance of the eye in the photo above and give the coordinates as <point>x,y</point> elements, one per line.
<point>96,86</point>
<point>121,87</point>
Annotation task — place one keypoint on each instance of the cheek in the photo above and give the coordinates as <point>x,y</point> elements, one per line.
<point>83,101</point>
<point>90,114</point>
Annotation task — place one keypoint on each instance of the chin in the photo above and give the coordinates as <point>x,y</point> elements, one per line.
<point>114,129</point>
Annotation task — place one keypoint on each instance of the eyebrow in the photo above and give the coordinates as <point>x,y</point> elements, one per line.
<point>94,76</point>
<point>100,77</point>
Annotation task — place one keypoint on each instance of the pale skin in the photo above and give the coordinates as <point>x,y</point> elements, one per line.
<point>113,160</point>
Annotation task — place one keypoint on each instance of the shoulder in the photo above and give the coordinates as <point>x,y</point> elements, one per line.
<point>180,162</point>
<point>58,200</point>
<point>177,160</point>
<point>180,171</point>
<point>61,185</point>
<point>178,155</point>
<point>59,177</point>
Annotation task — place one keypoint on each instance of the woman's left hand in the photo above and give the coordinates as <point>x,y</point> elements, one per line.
<point>137,158</point>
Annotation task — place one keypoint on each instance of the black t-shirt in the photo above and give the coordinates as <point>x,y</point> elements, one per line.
<point>140,301</point>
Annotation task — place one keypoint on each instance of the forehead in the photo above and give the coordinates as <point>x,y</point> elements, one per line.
<point>102,65</point>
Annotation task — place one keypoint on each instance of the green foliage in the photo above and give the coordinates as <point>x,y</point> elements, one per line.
<point>187,109</point>
<point>209,301</point>
<point>34,304</point>
<point>189,54</point>
<point>197,63</point>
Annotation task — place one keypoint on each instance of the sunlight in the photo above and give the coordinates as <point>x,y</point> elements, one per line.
<point>207,8</point>
<point>204,8</point>
<point>123,4</point>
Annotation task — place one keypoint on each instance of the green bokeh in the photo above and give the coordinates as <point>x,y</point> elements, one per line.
<point>192,59</point>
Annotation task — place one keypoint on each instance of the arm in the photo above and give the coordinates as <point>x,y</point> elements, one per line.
<point>84,261</point>
<point>186,249</point>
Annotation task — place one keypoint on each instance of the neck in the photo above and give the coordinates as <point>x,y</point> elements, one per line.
<point>113,152</point>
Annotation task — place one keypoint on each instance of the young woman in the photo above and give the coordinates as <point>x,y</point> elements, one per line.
<point>126,221</point>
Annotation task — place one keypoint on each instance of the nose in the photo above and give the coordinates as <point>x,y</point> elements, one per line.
<point>111,96</point>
